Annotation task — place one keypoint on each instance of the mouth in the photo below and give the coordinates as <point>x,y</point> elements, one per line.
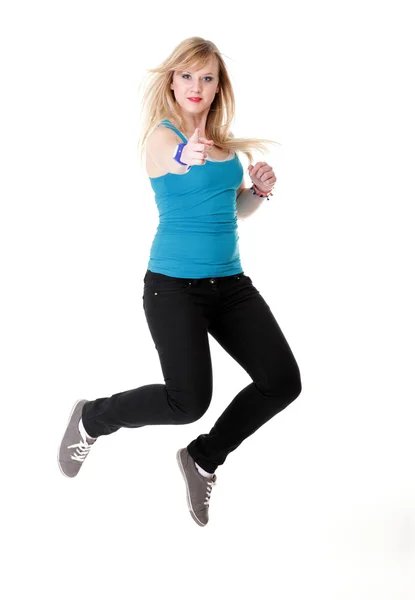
<point>196,99</point>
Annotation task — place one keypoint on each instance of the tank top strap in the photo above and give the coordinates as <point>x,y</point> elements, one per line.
<point>169,125</point>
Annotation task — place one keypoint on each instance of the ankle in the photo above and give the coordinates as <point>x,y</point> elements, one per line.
<point>203,472</point>
<point>83,431</point>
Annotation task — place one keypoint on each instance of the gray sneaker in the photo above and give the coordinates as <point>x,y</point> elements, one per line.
<point>198,487</point>
<point>74,447</point>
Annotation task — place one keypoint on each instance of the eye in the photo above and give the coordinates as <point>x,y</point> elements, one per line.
<point>207,76</point>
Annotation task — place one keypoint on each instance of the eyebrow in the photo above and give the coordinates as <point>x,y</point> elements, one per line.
<point>192,72</point>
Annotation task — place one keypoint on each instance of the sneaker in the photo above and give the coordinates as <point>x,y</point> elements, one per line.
<point>74,447</point>
<point>198,487</point>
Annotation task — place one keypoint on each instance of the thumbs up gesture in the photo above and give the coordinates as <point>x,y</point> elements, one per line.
<point>196,150</point>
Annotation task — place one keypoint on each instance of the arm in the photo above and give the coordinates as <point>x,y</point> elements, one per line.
<point>161,144</point>
<point>240,189</point>
<point>247,203</point>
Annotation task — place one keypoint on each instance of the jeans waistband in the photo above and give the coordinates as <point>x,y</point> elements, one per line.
<point>151,276</point>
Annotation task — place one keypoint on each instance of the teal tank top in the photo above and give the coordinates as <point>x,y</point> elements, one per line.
<point>197,235</point>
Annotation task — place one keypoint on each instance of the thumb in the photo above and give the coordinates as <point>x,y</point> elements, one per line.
<point>195,136</point>
<point>206,141</point>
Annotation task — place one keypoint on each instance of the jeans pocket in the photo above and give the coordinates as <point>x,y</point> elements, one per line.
<point>164,288</point>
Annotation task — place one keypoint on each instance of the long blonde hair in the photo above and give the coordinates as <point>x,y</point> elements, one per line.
<point>158,100</point>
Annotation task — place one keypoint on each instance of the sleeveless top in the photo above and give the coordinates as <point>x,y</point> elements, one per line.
<point>197,235</point>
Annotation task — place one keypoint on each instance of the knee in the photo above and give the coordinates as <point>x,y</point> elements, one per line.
<point>193,407</point>
<point>198,408</point>
<point>285,384</point>
<point>289,388</point>
<point>292,383</point>
<point>296,386</point>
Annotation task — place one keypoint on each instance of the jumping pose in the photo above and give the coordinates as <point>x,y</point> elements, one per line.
<point>194,284</point>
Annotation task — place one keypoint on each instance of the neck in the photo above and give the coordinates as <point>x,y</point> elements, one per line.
<point>193,121</point>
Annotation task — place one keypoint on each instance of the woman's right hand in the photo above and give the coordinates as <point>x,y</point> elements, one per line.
<point>196,149</point>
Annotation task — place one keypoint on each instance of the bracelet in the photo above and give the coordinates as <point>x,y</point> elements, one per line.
<point>178,153</point>
<point>257,192</point>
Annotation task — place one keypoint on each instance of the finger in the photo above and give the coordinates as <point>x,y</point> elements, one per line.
<point>269,180</point>
<point>195,136</point>
<point>265,174</point>
<point>253,169</point>
<point>263,170</point>
<point>256,168</point>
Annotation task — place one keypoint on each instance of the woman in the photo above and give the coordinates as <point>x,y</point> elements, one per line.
<point>195,284</point>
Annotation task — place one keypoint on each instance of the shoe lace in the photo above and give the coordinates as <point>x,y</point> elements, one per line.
<point>82,449</point>
<point>210,483</point>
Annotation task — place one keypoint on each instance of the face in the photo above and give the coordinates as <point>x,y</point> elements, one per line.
<point>203,84</point>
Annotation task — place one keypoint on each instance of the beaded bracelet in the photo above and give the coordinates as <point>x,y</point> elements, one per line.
<point>258,192</point>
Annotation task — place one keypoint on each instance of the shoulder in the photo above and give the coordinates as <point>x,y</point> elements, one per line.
<point>160,137</point>
<point>161,134</point>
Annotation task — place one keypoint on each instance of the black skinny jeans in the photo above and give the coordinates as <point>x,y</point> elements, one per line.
<point>180,313</point>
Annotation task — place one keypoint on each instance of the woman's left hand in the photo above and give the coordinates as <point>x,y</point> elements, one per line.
<point>262,176</point>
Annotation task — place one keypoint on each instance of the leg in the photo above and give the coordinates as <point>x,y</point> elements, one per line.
<point>245,327</point>
<point>181,339</point>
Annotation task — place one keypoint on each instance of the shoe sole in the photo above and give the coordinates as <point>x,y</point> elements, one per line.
<point>194,517</point>
<point>59,449</point>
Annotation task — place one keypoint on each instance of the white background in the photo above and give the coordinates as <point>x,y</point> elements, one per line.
<point>318,503</point>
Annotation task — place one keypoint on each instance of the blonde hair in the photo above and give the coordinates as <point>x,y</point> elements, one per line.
<point>158,101</point>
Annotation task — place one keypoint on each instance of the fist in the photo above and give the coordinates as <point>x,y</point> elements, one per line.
<point>262,175</point>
